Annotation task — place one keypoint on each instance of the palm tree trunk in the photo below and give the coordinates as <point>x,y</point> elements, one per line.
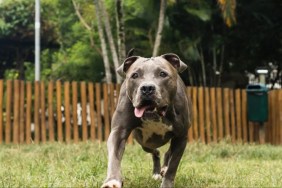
<point>110,38</point>
<point>160,28</point>
<point>103,43</point>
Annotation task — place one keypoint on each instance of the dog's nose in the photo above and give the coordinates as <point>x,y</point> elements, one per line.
<point>148,89</point>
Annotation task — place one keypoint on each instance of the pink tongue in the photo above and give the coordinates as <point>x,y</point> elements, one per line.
<point>139,111</point>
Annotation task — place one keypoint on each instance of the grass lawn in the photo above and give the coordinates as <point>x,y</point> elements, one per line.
<point>84,165</point>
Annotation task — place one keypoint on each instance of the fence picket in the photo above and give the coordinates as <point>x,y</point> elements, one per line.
<point>21,107</point>
<point>190,130</point>
<point>238,114</point>
<point>36,112</point>
<point>226,112</point>
<point>67,96</point>
<point>28,112</point>
<point>59,111</point>
<point>201,114</point>
<point>50,112</point>
<point>1,110</point>
<point>98,107</point>
<point>195,114</point>
<point>232,115</point>
<point>84,110</point>
<point>42,110</point>
<point>16,113</point>
<point>92,112</point>
<point>213,108</point>
<point>74,112</point>
<point>280,116</point>
<point>106,111</point>
<point>208,117</point>
<point>244,116</point>
<point>219,112</point>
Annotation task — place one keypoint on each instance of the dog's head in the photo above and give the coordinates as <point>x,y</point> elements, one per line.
<point>151,83</point>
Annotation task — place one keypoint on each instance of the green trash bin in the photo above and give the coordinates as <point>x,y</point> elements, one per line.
<point>257,103</point>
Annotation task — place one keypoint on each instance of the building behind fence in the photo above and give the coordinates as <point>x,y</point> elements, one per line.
<point>68,112</point>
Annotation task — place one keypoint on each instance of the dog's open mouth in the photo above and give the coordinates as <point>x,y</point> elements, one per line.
<point>149,107</point>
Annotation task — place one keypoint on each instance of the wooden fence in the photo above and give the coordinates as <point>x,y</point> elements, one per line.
<point>42,112</point>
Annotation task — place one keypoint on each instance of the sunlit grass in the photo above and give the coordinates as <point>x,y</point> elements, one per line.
<point>84,165</point>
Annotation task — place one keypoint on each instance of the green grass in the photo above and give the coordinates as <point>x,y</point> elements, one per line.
<point>84,165</point>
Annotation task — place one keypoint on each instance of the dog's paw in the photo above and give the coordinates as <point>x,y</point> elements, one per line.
<point>112,184</point>
<point>163,171</point>
<point>157,176</point>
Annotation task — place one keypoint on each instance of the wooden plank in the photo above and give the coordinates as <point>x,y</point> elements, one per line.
<point>208,114</point>
<point>195,114</point>
<point>277,118</point>
<point>213,115</point>
<point>16,118</point>
<point>1,110</point>
<point>106,111</point>
<point>112,99</point>
<point>74,112</point>
<point>190,130</point>
<point>268,127</point>
<point>43,112</point>
<point>226,112</point>
<point>280,116</point>
<point>67,111</point>
<point>232,115</point>
<point>92,111</point>
<point>84,111</point>
<point>201,114</point>
<point>219,112</point>
<point>244,116</point>
<point>36,112</point>
<point>50,112</point>
<point>98,107</point>
<point>22,118</point>
<point>273,116</point>
<point>59,111</point>
<point>238,114</point>
<point>28,112</point>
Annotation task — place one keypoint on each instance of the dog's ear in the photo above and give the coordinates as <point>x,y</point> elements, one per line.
<point>126,64</point>
<point>175,61</point>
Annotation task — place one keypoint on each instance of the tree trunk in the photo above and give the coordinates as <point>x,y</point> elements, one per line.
<point>120,28</point>
<point>103,43</point>
<point>160,28</point>
<point>203,67</point>
<point>110,38</point>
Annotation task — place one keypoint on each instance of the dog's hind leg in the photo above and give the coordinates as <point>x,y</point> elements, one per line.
<point>156,162</point>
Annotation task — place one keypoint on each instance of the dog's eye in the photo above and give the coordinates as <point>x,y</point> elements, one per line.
<point>163,74</point>
<point>134,75</point>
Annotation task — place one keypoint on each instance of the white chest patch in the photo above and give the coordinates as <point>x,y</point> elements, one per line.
<point>151,127</point>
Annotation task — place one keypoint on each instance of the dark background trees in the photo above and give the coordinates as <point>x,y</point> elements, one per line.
<point>218,45</point>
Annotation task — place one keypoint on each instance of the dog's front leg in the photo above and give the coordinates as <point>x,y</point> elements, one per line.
<point>116,144</point>
<point>177,148</point>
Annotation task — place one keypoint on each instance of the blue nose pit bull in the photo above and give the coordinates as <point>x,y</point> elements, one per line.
<point>153,105</point>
